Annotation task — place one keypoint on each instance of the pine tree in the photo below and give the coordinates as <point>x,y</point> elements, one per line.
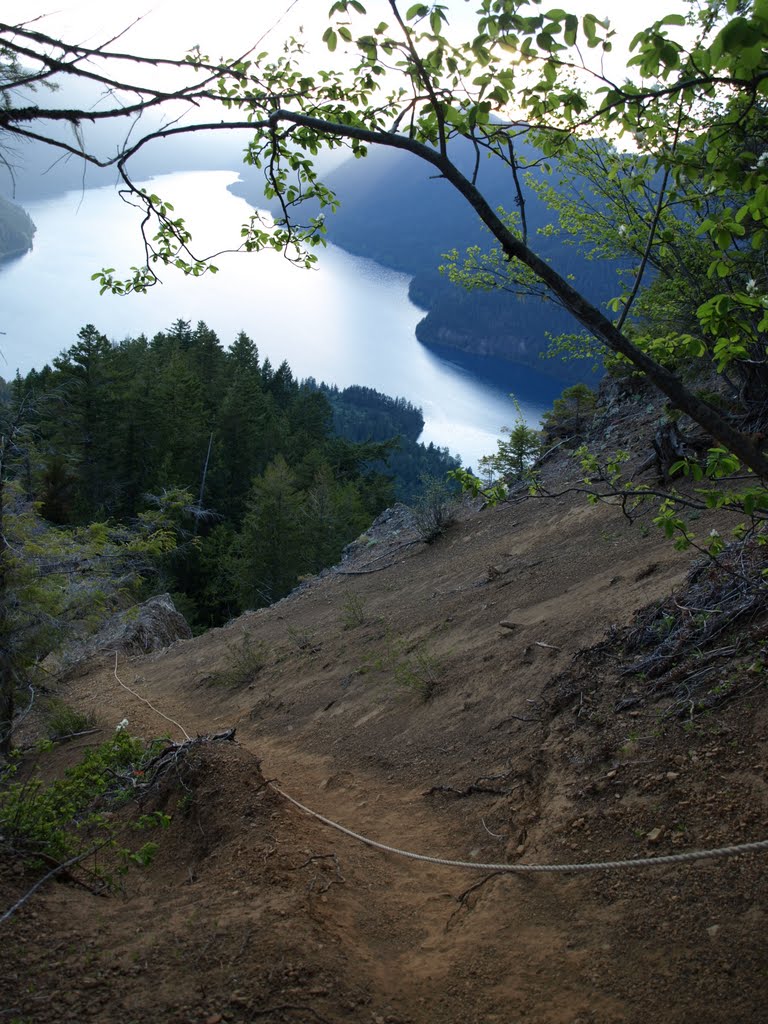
<point>80,420</point>
<point>272,551</point>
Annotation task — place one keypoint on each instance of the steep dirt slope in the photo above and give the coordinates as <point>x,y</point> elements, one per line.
<point>433,698</point>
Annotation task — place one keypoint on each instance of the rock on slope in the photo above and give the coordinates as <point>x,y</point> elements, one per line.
<point>151,626</point>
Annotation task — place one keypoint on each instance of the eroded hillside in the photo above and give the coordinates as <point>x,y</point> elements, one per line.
<point>466,699</point>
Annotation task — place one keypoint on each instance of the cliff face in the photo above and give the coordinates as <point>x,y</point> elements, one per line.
<point>16,230</point>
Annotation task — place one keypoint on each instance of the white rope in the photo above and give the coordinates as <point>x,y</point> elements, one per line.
<point>520,869</point>
<point>144,699</point>
<point>608,865</point>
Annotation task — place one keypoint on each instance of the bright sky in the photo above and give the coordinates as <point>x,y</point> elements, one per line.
<point>171,27</point>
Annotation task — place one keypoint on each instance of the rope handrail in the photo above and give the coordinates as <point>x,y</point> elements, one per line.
<point>608,865</point>
<point>149,705</point>
<point>687,856</point>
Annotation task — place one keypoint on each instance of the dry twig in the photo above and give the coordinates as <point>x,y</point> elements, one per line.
<point>65,866</point>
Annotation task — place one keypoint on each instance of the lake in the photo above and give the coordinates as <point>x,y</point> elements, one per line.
<point>349,321</point>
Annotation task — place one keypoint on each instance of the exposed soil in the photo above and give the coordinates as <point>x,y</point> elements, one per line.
<point>465,699</point>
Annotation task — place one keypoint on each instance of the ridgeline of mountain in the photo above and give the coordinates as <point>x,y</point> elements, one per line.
<point>394,212</point>
<point>16,230</point>
<point>36,170</point>
<point>39,173</point>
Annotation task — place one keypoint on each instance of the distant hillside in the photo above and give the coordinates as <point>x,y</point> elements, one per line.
<point>39,173</point>
<point>362,415</point>
<point>394,212</point>
<point>16,230</point>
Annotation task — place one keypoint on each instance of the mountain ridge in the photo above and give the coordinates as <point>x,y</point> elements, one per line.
<point>394,212</point>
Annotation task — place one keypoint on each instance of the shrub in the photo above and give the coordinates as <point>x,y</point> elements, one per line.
<point>64,722</point>
<point>60,819</point>
<point>435,509</point>
<point>570,412</point>
<point>352,611</point>
<point>243,662</point>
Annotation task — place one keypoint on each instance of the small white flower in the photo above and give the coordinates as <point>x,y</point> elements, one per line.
<point>714,533</point>
<point>762,160</point>
<point>751,286</point>
<point>122,725</point>
<point>622,229</point>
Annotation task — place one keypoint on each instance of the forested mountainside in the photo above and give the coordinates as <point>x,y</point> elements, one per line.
<point>393,211</point>
<point>236,465</point>
<point>16,230</point>
<point>362,414</point>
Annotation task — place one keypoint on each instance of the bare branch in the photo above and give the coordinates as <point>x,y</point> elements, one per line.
<point>65,866</point>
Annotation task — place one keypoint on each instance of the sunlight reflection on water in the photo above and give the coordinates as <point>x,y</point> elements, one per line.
<point>349,321</point>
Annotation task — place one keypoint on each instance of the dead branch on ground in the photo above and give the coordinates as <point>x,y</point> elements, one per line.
<point>315,878</point>
<point>463,898</point>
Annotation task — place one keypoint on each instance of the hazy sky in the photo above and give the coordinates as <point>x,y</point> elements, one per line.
<point>171,27</point>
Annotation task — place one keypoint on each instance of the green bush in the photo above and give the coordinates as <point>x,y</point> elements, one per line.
<point>352,611</point>
<point>244,660</point>
<point>571,412</point>
<point>64,722</point>
<point>435,509</point>
<point>58,820</point>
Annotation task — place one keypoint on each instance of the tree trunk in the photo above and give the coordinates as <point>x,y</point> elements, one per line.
<point>588,315</point>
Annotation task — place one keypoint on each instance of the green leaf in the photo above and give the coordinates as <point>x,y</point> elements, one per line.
<point>436,20</point>
<point>545,41</point>
<point>588,24</point>
<point>739,34</point>
<point>454,116</point>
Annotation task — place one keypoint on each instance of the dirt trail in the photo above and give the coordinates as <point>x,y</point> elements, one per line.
<point>440,705</point>
<point>413,944</point>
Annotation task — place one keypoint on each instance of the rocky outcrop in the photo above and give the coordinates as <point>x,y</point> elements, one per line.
<point>142,629</point>
<point>151,626</point>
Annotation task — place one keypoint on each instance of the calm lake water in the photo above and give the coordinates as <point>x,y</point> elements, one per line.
<point>348,322</point>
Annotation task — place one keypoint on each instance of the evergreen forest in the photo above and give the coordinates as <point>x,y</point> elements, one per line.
<point>240,478</point>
